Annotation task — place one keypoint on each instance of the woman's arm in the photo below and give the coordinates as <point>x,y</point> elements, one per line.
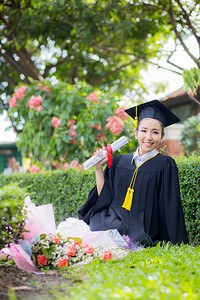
<point>99,171</point>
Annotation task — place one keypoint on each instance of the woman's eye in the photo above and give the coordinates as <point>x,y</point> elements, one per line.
<point>155,132</point>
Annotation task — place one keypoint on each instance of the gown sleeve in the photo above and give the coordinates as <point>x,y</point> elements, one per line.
<point>96,203</point>
<point>172,203</point>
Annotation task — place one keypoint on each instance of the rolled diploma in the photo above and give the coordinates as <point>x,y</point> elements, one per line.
<point>95,159</point>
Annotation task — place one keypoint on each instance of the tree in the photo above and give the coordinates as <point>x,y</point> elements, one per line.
<point>61,123</point>
<point>104,43</point>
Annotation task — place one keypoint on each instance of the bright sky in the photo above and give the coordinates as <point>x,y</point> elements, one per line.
<point>152,75</point>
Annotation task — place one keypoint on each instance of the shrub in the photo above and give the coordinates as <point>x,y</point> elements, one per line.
<point>190,135</point>
<point>189,170</point>
<point>11,220</point>
<point>68,190</point>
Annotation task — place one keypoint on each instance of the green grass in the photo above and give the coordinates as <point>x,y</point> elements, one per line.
<point>168,272</point>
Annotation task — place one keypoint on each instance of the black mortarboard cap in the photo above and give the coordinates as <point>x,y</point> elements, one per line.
<point>153,109</point>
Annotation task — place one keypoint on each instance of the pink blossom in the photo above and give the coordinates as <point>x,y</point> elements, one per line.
<point>66,166</point>
<point>72,141</point>
<point>19,93</point>
<point>57,165</point>
<point>97,126</point>
<point>62,262</point>
<point>89,250</point>
<point>39,86</point>
<point>34,169</point>
<point>34,101</point>
<point>74,164</point>
<point>100,137</point>
<point>93,97</point>
<point>13,101</point>
<point>39,108</point>
<point>121,113</point>
<point>55,122</point>
<point>47,89</point>
<point>71,251</point>
<point>73,133</point>
<point>115,125</point>
<point>71,122</point>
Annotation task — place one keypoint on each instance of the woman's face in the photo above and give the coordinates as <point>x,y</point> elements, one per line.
<point>149,135</point>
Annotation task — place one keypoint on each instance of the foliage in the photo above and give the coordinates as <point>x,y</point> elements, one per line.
<point>100,42</point>
<point>190,135</point>
<point>189,168</point>
<point>63,122</point>
<point>167,272</point>
<point>105,43</point>
<point>191,78</point>
<point>11,220</point>
<point>68,191</point>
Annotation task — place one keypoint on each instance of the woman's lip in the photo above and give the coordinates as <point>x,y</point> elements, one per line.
<point>148,144</point>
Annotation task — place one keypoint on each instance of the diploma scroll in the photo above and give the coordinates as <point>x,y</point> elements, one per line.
<point>95,159</point>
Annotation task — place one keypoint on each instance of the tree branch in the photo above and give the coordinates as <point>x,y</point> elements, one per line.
<point>178,35</point>
<point>188,22</point>
<point>10,80</point>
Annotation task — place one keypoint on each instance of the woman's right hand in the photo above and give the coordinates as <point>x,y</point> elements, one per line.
<point>99,165</point>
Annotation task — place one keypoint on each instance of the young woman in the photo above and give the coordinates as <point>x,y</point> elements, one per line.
<point>139,194</point>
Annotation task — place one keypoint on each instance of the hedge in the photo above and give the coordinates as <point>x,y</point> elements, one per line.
<point>68,190</point>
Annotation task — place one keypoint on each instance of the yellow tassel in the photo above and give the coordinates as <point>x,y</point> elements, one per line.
<point>128,199</point>
<point>136,118</point>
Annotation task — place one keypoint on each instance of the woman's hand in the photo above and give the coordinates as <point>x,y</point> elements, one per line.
<point>99,165</point>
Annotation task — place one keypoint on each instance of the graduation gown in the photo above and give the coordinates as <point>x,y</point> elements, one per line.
<point>156,212</point>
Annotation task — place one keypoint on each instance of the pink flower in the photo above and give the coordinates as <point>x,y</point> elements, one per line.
<point>47,89</point>
<point>107,255</point>
<point>39,86</point>
<point>75,243</point>
<point>89,250</point>
<point>66,166</point>
<point>121,113</point>
<point>100,137</point>
<point>71,122</point>
<point>34,169</point>
<point>34,101</point>
<point>42,260</point>
<point>93,97</point>
<point>13,101</point>
<point>57,165</point>
<point>72,141</point>
<point>71,251</point>
<point>73,133</point>
<point>55,122</point>
<point>19,93</point>
<point>97,126</point>
<point>56,240</point>
<point>63,262</point>
<point>74,164</point>
<point>115,125</point>
<point>39,108</point>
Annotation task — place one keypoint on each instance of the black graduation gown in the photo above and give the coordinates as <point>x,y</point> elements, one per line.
<point>156,213</point>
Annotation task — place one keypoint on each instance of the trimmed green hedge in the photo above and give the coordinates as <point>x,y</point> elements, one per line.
<point>68,190</point>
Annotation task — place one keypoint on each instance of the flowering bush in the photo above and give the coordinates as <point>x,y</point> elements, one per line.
<point>54,252</point>
<point>63,123</point>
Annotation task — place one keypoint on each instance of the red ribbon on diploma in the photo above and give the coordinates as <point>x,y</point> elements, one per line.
<point>109,152</point>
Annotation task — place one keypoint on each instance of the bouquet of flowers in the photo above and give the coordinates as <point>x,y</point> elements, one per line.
<point>54,252</point>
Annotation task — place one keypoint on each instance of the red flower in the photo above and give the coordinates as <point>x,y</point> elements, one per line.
<point>34,169</point>
<point>71,251</point>
<point>107,255</point>
<point>55,122</point>
<point>93,97</point>
<point>89,250</point>
<point>121,113</point>
<point>63,262</point>
<point>115,125</point>
<point>47,89</point>
<point>42,260</point>
<point>13,101</point>
<point>19,93</point>
<point>34,101</point>
<point>56,240</point>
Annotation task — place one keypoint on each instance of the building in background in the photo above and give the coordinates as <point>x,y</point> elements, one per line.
<point>180,103</point>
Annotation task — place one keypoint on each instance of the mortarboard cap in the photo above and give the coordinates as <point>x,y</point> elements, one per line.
<point>153,109</point>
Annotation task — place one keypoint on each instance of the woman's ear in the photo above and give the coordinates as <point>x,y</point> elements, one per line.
<point>162,138</point>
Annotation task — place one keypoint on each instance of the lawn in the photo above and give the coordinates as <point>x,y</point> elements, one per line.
<point>168,272</point>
